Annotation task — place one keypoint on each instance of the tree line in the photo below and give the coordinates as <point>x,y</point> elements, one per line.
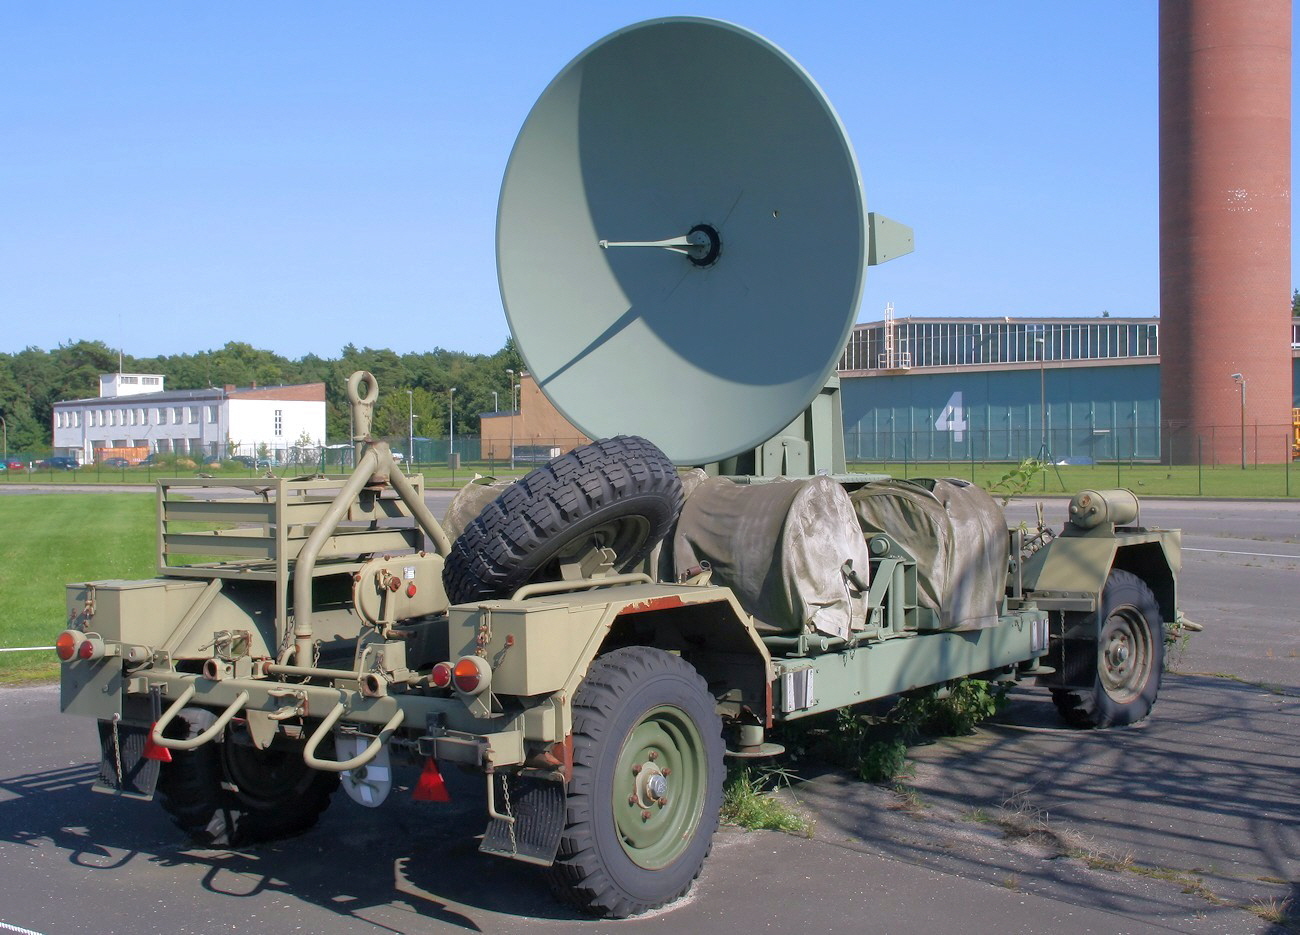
<point>33,379</point>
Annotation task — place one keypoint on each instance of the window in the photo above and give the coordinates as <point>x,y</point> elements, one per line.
<point>212,415</point>
<point>126,379</point>
<point>178,414</point>
<point>162,415</point>
<point>150,381</point>
<point>279,422</point>
<point>140,417</point>
<point>192,414</point>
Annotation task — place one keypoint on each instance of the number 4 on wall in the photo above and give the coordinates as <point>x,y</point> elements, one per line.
<point>952,418</point>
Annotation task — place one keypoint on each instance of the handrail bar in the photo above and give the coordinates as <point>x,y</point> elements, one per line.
<point>190,743</point>
<point>361,759</point>
<point>585,584</point>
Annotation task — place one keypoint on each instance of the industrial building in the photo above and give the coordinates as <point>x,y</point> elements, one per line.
<point>1003,389</point>
<point>136,411</point>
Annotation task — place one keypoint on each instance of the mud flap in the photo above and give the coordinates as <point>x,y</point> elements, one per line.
<point>1072,651</point>
<point>123,768</point>
<point>538,807</point>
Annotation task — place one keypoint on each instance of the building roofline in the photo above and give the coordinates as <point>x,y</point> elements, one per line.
<point>1011,320</point>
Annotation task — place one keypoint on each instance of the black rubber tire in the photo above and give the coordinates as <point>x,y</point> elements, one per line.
<point>228,793</point>
<point>595,870</point>
<point>622,493</point>
<point>1130,659</point>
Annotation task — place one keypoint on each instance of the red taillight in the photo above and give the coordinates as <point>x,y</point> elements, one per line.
<point>440,677</point>
<point>91,647</point>
<point>471,674</point>
<point>67,644</point>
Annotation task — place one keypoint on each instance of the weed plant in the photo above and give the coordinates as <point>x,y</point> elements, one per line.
<point>749,801</point>
<point>873,743</point>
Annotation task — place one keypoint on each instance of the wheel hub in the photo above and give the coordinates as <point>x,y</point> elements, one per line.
<point>651,786</point>
<point>1117,654</point>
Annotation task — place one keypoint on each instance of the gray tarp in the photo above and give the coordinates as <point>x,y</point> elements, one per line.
<point>956,532</point>
<point>469,502</point>
<point>779,546</point>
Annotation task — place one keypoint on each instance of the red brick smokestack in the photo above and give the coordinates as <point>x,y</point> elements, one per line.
<point>1225,227</point>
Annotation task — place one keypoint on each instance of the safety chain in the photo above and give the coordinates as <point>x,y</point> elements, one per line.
<point>505,800</point>
<point>117,752</point>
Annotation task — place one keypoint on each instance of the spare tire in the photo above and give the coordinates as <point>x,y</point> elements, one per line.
<point>622,493</point>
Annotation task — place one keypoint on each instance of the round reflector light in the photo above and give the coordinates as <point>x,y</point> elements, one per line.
<point>440,677</point>
<point>471,674</point>
<point>66,645</point>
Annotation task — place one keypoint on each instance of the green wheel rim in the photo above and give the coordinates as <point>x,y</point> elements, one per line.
<point>1124,655</point>
<point>659,784</point>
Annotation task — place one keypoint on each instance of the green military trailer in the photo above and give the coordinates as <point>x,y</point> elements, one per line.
<point>597,637</point>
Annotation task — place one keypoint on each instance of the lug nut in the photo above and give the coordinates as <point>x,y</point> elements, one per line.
<point>663,801</point>
<point>636,768</point>
<point>631,799</point>
<point>667,771</point>
<point>645,816</point>
<point>654,755</point>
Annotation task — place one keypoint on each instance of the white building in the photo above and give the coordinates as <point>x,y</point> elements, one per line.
<point>135,410</point>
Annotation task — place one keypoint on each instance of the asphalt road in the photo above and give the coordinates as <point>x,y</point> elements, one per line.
<point>1170,826</point>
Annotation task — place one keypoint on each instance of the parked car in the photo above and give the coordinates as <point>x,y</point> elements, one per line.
<point>150,461</point>
<point>14,465</point>
<point>115,463</point>
<point>58,463</point>
<point>252,463</point>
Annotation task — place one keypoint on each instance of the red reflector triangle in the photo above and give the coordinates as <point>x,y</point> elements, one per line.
<point>154,752</point>
<point>430,788</point>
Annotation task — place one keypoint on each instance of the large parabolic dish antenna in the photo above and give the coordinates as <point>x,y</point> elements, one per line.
<point>682,238</point>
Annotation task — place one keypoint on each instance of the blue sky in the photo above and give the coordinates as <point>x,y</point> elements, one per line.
<point>303,176</point>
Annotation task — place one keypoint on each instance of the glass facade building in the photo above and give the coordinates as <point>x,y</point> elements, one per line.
<point>957,342</point>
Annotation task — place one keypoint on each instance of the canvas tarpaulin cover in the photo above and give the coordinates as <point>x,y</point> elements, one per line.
<point>469,502</point>
<point>956,532</point>
<point>780,547</point>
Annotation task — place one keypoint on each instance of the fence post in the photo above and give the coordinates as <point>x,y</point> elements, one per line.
<point>1200,467</point>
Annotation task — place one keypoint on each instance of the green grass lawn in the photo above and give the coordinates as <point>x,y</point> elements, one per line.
<point>51,539</point>
<point>1265,480</point>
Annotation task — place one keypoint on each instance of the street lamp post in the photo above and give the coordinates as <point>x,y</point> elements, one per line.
<point>511,374</point>
<point>6,434</point>
<point>496,403</point>
<point>410,426</point>
<point>1042,399</point>
<point>451,423</point>
<point>1241,382</point>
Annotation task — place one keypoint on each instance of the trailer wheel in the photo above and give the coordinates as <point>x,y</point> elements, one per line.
<point>230,793</point>
<point>646,791</point>
<point>1130,658</point>
<point>622,493</point>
